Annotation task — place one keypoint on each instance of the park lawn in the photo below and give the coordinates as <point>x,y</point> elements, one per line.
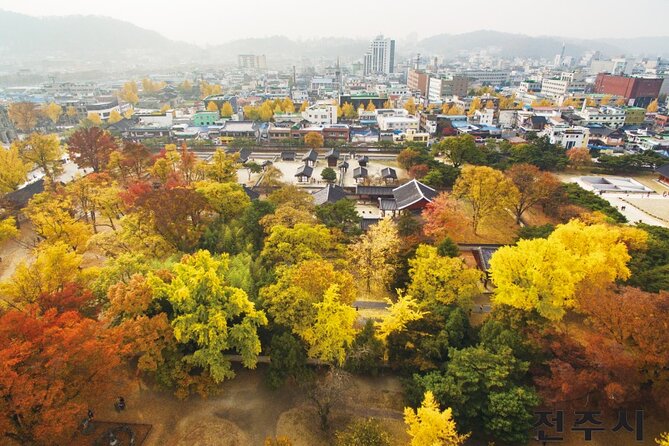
<point>536,217</point>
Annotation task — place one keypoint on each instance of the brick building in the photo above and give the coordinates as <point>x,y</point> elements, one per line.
<point>637,91</point>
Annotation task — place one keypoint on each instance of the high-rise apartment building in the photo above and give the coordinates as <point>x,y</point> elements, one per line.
<point>252,61</point>
<point>380,58</point>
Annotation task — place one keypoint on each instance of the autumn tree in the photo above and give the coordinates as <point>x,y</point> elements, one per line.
<point>289,246</point>
<point>226,110</point>
<point>579,157</point>
<point>444,217</point>
<point>375,255</point>
<point>265,112</point>
<point>542,103</point>
<point>370,106</point>
<point>91,147</point>
<point>410,106</point>
<point>429,425</point>
<point>24,115</point>
<point>212,107</point>
<point>93,118</point>
<point>404,310</point>
<point>207,89</point>
<point>474,105</point>
<point>52,365</point>
<point>97,198</point>
<point>620,361</point>
<point>533,186</point>
<point>223,167</point>
<point>114,117</point>
<point>332,331</point>
<point>149,86</point>
<point>348,111</point>
<point>227,199</point>
<point>136,158</point>
<point>445,280</point>
<point>291,300</point>
<point>53,111</point>
<point>288,105</point>
<point>13,169</point>
<point>54,267</point>
<point>71,113</point>
<point>52,219</point>
<point>210,315</point>
<point>178,215</point>
<point>550,275</point>
<point>487,191</point>
<point>42,151</point>
<point>653,106</point>
<point>129,92</point>
<point>313,140</point>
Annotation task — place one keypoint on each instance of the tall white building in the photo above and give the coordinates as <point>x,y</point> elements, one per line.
<point>380,58</point>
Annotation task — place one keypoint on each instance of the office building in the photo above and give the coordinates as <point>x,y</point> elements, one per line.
<point>380,58</point>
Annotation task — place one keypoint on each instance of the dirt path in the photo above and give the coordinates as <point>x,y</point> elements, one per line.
<point>14,251</point>
<point>244,414</point>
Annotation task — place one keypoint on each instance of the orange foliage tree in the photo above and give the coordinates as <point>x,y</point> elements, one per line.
<point>52,366</point>
<point>444,217</point>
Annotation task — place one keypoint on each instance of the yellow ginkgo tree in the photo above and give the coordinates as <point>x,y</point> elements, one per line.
<point>430,426</point>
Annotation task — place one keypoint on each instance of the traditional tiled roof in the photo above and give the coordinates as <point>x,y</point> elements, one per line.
<point>388,173</point>
<point>329,194</point>
<point>311,155</point>
<point>359,172</point>
<point>304,170</point>
<point>333,153</point>
<point>412,192</point>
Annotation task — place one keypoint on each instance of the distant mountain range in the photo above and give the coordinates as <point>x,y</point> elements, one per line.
<point>25,38</point>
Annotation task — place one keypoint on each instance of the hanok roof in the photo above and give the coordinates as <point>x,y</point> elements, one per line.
<point>388,173</point>
<point>311,155</point>
<point>253,195</point>
<point>663,170</point>
<point>412,192</point>
<point>19,198</point>
<point>363,159</point>
<point>244,155</point>
<point>374,191</point>
<point>333,153</point>
<point>483,255</point>
<point>387,204</point>
<point>329,194</point>
<point>359,172</point>
<point>343,165</point>
<point>287,156</point>
<point>305,171</point>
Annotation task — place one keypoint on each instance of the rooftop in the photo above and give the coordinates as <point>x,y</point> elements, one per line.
<point>329,194</point>
<point>413,192</point>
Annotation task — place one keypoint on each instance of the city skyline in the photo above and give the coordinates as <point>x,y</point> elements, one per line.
<point>350,19</point>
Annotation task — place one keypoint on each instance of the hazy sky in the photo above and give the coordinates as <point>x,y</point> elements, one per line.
<point>217,21</point>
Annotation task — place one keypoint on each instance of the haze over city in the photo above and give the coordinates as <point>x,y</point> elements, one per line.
<point>220,22</point>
